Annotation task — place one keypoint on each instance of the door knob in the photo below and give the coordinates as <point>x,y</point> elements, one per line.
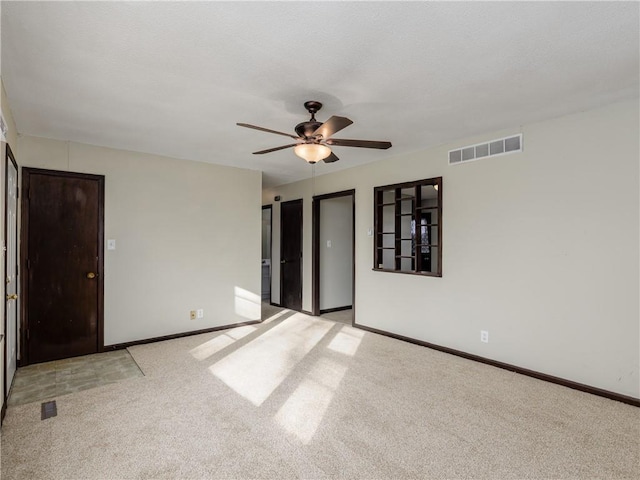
<point>283,261</point>
<point>12,297</point>
<point>91,275</point>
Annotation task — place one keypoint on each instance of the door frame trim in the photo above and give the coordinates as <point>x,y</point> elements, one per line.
<point>299,200</point>
<point>9,157</point>
<point>24,236</point>
<point>315,235</point>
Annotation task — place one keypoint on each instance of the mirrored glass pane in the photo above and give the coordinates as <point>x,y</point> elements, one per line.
<point>406,227</point>
<point>406,265</point>
<point>433,219</point>
<point>434,259</point>
<point>388,196</point>
<point>431,235</point>
<point>429,259</point>
<point>407,193</point>
<point>388,240</point>
<point>427,193</point>
<point>406,248</point>
<point>406,207</point>
<point>388,259</point>
<point>427,222</point>
<point>388,219</point>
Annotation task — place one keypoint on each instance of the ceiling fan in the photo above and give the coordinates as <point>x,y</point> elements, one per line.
<point>314,138</point>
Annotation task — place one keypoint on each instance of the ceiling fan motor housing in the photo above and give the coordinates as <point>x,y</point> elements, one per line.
<point>306,129</point>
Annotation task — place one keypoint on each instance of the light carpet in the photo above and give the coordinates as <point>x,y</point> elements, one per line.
<point>305,397</point>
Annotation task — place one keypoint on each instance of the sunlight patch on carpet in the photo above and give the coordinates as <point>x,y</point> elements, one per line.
<point>210,347</point>
<point>346,341</point>
<point>256,369</point>
<point>303,411</point>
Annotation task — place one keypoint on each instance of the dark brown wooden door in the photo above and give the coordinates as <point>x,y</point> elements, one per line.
<point>291,254</point>
<point>63,244</point>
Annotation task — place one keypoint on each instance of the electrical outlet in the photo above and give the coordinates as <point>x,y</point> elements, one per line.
<point>192,314</point>
<point>484,336</point>
<point>200,313</point>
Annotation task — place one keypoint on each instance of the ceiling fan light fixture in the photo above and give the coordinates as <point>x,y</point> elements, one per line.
<point>312,152</point>
<point>313,137</point>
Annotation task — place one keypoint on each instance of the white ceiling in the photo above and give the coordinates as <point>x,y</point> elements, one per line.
<point>173,78</point>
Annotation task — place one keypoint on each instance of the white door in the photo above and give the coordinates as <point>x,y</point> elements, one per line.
<point>11,270</point>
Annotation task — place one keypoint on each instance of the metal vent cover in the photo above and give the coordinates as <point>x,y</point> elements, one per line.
<point>48,410</point>
<point>493,148</point>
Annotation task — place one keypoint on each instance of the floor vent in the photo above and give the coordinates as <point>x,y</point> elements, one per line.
<point>48,410</point>
<point>501,146</point>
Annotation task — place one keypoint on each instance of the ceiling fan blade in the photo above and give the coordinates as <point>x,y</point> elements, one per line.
<point>262,129</point>
<point>331,126</point>
<point>274,149</point>
<point>331,158</point>
<point>341,142</point>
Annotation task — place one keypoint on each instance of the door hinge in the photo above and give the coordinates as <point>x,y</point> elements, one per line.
<point>28,334</point>
<point>28,264</point>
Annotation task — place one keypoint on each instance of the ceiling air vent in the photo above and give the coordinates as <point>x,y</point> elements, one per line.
<point>502,146</point>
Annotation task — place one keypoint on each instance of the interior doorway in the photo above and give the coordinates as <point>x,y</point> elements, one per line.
<point>291,254</point>
<point>267,213</point>
<point>10,347</point>
<point>62,259</point>
<point>334,255</point>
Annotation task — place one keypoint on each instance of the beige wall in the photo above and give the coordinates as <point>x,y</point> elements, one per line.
<point>187,237</point>
<point>522,257</point>
<point>336,261</point>
<point>12,135</point>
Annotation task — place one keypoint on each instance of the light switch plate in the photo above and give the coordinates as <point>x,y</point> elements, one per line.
<point>111,244</point>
